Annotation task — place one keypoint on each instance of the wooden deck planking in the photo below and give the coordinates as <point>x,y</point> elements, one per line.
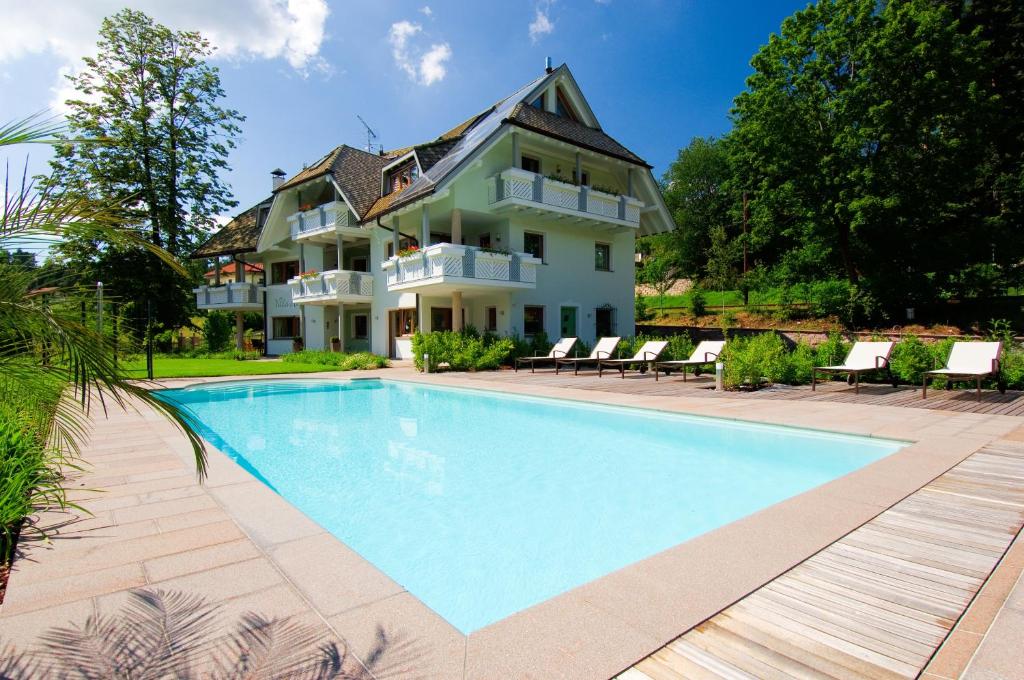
<point>960,401</point>
<point>878,602</point>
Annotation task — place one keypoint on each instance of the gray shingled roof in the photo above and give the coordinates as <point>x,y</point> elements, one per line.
<point>356,172</point>
<point>240,235</point>
<point>552,125</point>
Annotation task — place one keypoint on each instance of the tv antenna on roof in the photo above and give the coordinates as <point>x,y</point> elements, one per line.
<point>370,135</point>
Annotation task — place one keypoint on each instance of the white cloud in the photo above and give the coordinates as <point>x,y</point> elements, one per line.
<point>426,11</point>
<point>432,68</point>
<point>541,24</point>
<point>291,30</point>
<point>423,66</point>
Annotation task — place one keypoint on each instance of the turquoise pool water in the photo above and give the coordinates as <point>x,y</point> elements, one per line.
<point>483,504</point>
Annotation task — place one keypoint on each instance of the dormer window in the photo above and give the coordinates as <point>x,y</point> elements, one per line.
<point>402,176</point>
<point>538,103</point>
<point>563,109</point>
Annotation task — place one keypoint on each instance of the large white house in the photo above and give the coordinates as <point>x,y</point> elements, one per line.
<point>519,220</point>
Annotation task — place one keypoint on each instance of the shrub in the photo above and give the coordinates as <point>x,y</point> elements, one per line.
<point>357,361</point>
<point>640,309</point>
<point>464,352</point>
<point>802,359</point>
<point>749,361</point>
<point>217,331</point>
<point>910,359</point>
<point>679,347</point>
<point>833,351</point>
<point>29,471</point>
<point>1012,369</point>
<point>831,298</point>
<point>698,302</point>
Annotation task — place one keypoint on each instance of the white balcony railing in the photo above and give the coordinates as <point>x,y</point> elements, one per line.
<point>322,219</point>
<point>446,263</point>
<point>332,286</point>
<point>233,295</point>
<point>516,186</point>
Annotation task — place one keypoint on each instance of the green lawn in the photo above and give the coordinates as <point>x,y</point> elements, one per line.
<point>715,298</point>
<point>173,367</point>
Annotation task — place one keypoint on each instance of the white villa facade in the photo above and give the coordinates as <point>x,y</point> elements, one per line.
<point>522,219</point>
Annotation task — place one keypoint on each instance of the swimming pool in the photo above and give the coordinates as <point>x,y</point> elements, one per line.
<point>482,504</point>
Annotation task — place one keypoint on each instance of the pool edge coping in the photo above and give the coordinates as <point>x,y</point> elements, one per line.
<point>599,622</point>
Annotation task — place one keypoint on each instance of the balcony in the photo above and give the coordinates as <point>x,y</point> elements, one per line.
<point>332,287</point>
<point>232,297</point>
<point>445,267</point>
<point>323,223</point>
<point>515,189</point>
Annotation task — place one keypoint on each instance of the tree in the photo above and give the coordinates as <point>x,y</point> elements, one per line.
<point>660,268</point>
<point>696,193</point>
<point>861,134</point>
<point>152,94</point>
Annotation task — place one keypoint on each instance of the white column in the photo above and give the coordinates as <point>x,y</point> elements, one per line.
<point>457,310</point>
<point>456,226</point>
<point>340,246</point>
<point>341,326</point>
<point>425,227</point>
<point>579,170</point>
<point>517,158</point>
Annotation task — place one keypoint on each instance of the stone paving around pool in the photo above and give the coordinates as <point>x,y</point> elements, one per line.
<point>158,541</point>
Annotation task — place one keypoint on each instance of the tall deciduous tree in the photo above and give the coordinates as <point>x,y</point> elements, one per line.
<point>695,191</point>
<point>861,133</point>
<point>151,93</point>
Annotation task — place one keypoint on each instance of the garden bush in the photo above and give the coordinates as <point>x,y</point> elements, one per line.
<point>464,352</point>
<point>833,351</point>
<point>357,361</point>
<point>698,302</point>
<point>911,358</point>
<point>217,331</point>
<point>831,298</point>
<point>750,361</point>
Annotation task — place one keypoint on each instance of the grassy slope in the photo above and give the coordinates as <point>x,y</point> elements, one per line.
<point>166,367</point>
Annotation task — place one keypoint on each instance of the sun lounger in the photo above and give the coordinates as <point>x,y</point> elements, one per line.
<point>604,349</point>
<point>969,361</point>
<point>561,349</point>
<point>647,354</point>
<point>706,353</point>
<point>863,357</point>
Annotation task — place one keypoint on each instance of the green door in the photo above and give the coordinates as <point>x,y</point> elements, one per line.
<point>568,322</point>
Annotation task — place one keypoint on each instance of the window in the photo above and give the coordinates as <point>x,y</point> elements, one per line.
<point>533,243</point>
<point>491,321</point>
<point>530,164</point>
<point>439,237</point>
<point>360,326</point>
<point>604,319</point>
<point>602,257</point>
<point>485,240</point>
<point>402,176</point>
<point>405,321</point>
<point>286,327</point>
<point>440,318</point>
<point>586,178</point>
<point>538,103</point>
<point>533,319</point>
<point>562,107</point>
<point>360,264</point>
<point>280,272</point>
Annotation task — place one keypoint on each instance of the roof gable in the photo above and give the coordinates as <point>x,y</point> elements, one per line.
<point>240,235</point>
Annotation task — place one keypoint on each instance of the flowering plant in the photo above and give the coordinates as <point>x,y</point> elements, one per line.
<point>312,273</point>
<point>406,252</point>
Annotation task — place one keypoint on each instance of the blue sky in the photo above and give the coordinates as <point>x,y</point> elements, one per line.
<point>656,73</point>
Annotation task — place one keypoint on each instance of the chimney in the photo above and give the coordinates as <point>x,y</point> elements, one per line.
<point>276,177</point>
<point>547,65</point>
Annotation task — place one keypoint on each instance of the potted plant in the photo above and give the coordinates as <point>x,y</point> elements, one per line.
<point>310,274</point>
<point>297,344</point>
<point>406,252</point>
<point>335,344</point>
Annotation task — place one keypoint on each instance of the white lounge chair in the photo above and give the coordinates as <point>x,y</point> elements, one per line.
<point>863,357</point>
<point>604,349</point>
<point>647,354</point>
<point>706,352</point>
<point>969,361</point>
<point>560,349</point>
